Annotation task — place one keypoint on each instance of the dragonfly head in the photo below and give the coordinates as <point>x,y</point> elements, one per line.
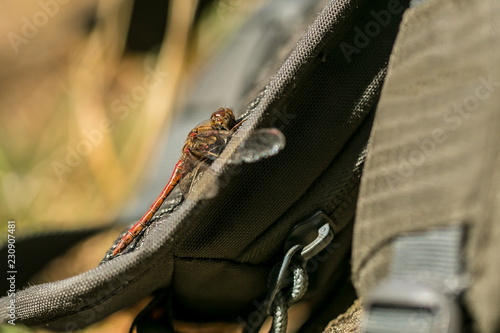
<point>223,119</point>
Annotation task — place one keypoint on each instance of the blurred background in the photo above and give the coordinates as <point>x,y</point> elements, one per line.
<point>88,89</point>
<point>97,97</point>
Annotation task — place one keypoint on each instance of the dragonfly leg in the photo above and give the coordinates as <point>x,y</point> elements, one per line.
<point>235,127</point>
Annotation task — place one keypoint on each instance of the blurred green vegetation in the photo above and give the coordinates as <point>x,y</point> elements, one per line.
<point>15,329</point>
<point>81,111</point>
<point>79,123</point>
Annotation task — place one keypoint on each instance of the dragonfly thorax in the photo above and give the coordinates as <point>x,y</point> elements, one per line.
<point>223,119</point>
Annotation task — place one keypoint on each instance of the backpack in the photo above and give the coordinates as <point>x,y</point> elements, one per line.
<point>277,231</point>
<point>426,235</point>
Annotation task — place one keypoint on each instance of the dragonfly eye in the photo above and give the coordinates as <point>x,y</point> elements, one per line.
<point>223,118</point>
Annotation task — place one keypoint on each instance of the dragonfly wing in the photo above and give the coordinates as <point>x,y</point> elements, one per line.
<point>262,143</point>
<point>202,182</point>
<point>210,143</point>
<point>188,185</point>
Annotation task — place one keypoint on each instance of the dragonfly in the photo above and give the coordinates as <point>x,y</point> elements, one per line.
<point>203,145</point>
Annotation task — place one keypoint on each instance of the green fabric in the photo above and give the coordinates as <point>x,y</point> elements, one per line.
<point>434,153</point>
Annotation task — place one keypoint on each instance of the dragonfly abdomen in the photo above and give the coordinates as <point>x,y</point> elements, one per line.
<point>145,220</point>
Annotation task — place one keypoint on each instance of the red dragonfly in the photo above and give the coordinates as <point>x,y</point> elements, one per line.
<point>204,143</point>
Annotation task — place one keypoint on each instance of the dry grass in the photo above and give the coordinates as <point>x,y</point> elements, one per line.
<point>79,118</point>
<point>76,127</point>
<point>73,149</point>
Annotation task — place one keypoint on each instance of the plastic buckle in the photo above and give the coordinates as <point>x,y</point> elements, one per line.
<point>422,308</point>
<point>309,237</point>
<point>314,234</point>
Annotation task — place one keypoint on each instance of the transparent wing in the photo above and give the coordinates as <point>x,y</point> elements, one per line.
<point>189,182</point>
<point>211,143</point>
<point>202,183</point>
<point>262,143</point>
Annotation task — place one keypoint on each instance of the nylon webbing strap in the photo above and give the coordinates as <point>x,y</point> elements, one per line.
<point>421,293</point>
<point>395,320</point>
<point>433,256</point>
